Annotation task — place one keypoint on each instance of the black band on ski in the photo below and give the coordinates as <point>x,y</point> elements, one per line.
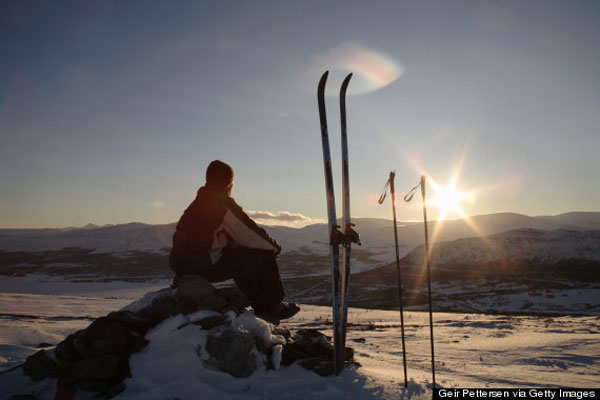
<point>344,239</point>
<point>351,236</point>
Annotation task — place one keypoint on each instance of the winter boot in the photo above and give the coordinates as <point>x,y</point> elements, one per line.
<point>283,311</point>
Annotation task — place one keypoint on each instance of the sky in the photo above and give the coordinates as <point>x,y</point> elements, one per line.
<point>110,111</point>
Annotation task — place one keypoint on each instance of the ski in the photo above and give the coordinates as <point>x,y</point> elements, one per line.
<point>334,233</point>
<point>350,235</point>
<point>339,276</point>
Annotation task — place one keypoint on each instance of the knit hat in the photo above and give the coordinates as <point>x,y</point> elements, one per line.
<point>219,174</point>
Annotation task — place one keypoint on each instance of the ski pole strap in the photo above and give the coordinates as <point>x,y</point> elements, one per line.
<point>387,183</point>
<point>384,192</point>
<point>411,193</point>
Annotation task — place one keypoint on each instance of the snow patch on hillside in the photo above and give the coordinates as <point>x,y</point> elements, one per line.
<point>513,246</point>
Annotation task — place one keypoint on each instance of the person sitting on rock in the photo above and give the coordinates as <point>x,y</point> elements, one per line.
<point>217,240</point>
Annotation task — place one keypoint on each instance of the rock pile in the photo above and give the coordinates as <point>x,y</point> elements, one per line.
<point>96,359</point>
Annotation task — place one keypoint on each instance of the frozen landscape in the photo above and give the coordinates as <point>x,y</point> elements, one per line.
<point>472,350</point>
<point>114,113</point>
<point>513,308</point>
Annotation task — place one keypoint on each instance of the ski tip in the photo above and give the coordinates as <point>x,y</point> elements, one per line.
<point>345,83</point>
<point>323,79</point>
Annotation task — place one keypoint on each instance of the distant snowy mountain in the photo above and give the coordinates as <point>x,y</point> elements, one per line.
<point>589,220</point>
<point>523,270</point>
<point>378,237</point>
<point>512,247</point>
<point>122,238</point>
<point>376,234</point>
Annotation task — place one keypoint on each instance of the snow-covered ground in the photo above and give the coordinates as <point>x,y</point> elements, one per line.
<point>76,286</point>
<point>472,350</point>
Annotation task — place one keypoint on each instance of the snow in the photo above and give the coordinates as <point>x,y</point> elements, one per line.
<point>472,350</point>
<point>510,297</point>
<point>112,239</point>
<point>200,315</point>
<point>146,300</point>
<point>74,286</point>
<point>260,328</point>
<point>515,245</point>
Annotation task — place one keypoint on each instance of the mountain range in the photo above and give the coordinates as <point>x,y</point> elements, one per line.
<point>374,233</point>
<point>501,261</point>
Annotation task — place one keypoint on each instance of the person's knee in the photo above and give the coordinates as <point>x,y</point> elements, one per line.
<point>264,254</point>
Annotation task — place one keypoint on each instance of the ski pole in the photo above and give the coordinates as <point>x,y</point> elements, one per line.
<point>408,198</point>
<point>427,261</point>
<point>390,182</point>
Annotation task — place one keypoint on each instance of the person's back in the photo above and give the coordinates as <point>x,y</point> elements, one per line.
<point>216,239</point>
<point>195,230</point>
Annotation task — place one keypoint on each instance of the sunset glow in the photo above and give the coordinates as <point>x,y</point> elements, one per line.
<point>448,199</point>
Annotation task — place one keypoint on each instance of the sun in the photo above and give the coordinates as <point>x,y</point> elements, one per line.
<point>448,199</point>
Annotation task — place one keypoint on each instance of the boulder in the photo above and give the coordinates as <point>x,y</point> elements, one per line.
<point>94,386</point>
<point>313,342</point>
<point>109,367</point>
<point>161,308</point>
<point>211,322</point>
<point>96,359</point>
<point>291,353</point>
<point>65,352</point>
<point>313,350</point>
<point>306,343</point>
<point>39,366</point>
<point>135,322</point>
<point>236,300</point>
<point>135,343</point>
<point>282,331</point>
<point>231,352</point>
<point>196,293</point>
<point>110,335</point>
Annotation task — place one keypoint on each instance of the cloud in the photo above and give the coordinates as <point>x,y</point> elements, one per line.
<point>372,69</point>
<point>282,218</point>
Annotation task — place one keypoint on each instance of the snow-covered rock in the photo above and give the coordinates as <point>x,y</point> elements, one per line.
<point>219,333</point>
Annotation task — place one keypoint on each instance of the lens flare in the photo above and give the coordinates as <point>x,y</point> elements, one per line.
<point>448,199</point>
<point>372,69</point>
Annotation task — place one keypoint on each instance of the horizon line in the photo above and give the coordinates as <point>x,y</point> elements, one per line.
<point>91,225</point>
